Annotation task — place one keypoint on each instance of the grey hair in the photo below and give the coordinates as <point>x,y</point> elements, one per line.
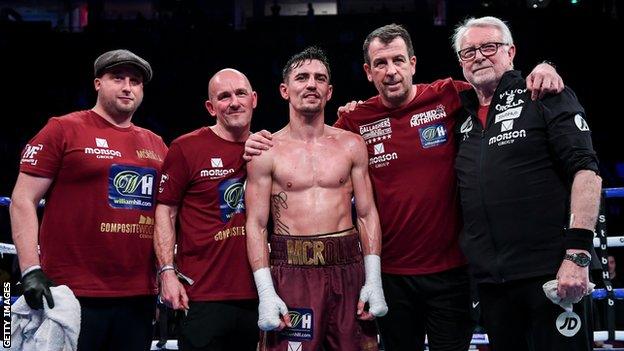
<point>487,21</point>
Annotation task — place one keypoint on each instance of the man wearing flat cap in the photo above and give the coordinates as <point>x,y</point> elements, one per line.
<point>98,173</point>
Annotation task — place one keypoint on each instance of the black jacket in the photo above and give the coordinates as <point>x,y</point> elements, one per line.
<point>515,178</point>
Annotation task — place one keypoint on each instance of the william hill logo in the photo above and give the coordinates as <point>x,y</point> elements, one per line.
<point>134,184</point>
<point>299,320</point>
<point>302,320</point>
<point>131,187</point>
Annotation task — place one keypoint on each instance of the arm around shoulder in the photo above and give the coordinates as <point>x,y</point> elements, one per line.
<point>569,135</point>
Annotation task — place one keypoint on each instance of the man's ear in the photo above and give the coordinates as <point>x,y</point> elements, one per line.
<point>210,108</point>
<point>283,91</point>
<point>368,71</point>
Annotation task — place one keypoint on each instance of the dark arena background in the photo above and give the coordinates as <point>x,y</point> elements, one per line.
<point>47,49</point>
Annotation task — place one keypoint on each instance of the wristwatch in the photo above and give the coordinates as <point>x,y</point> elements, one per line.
<point>581,259</point>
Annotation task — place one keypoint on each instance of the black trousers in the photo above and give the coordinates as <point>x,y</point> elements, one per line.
<point>434,304</point>
<point>518,316</point>
<point>119,324</point>
<point>222,325</point>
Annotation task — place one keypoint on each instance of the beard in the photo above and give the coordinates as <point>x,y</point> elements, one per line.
<point>396,97</point>
<point>483,79</point>
<point>311,109</point>
<point>115,107</point>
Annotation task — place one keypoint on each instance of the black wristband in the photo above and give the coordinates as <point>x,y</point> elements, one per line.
<point>579,239</point>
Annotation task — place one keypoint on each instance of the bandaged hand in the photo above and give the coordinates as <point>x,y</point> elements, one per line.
<point>372,291</point>
<point>272,311</point>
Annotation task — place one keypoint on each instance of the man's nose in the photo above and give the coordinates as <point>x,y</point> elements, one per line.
<point>479,56</point>
<point>126,84</point>
<point>235,102</point>
<point>311,83</point>
<point>392,69</point>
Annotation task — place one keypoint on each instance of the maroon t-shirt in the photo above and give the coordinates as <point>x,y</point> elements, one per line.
<point>97,231</point>
<point>204,176</point>
<point>411,154</point>
<point>482,114</point>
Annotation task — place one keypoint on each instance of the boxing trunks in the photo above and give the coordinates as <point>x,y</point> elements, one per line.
<point>319,278</point>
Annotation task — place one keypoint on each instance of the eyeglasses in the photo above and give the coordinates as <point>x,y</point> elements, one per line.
<point>487,50</point>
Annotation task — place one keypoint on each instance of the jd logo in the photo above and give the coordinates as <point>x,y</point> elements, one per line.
<point>568,324</point>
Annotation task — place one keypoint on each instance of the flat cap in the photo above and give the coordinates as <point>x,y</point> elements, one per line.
<point>114,58</point>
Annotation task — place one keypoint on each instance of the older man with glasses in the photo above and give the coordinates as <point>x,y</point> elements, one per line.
<point>530,192</point>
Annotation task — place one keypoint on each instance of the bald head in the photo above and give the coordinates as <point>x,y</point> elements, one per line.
<point>231,101</point>
<point>223,77</point>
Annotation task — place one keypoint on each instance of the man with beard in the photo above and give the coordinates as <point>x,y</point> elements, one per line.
<point>98,172</point>
<point>530,192</point>
<point>407,129</point>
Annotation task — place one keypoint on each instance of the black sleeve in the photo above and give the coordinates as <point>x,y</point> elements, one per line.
<point>569,136</point>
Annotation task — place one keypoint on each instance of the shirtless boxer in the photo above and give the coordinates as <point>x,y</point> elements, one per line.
<point>306,181</point>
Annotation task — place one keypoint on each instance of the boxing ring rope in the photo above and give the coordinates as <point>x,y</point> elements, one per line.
<point>477,339</point>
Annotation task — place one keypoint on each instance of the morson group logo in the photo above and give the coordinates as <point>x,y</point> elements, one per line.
<point>101,150</point>
<point>217,171</point>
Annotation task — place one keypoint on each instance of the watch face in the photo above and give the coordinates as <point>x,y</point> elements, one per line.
<point>583,259</point>
<point>580,259</point>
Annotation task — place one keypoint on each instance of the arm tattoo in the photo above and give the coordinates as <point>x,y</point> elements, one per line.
<point>278,202</point>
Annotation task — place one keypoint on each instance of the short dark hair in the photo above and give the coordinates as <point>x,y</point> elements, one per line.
<point>386,34</point>
<point>308,54</point>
